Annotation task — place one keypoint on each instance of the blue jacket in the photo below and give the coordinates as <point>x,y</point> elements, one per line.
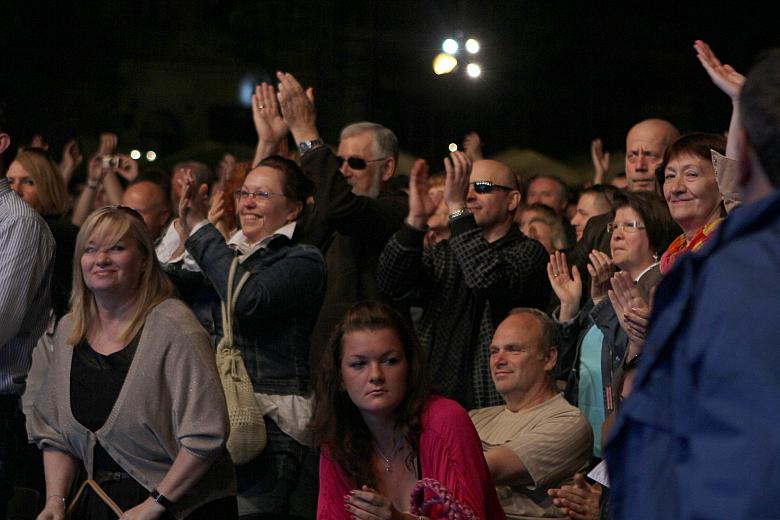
<point>699,437</point>
<point>275,312</point>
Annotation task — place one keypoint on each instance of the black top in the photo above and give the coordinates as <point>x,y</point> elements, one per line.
<point>95,383</point>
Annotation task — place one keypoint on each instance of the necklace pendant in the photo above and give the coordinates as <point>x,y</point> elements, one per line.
<point>387,465</point>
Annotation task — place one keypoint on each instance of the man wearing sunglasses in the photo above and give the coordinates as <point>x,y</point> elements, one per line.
<point>354,213</point>
<point>468,283</point>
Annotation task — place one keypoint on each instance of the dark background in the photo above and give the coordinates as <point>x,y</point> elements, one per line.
<point>164,74</point>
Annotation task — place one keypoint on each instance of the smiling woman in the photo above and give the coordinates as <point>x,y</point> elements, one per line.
<point>380,429</point>
<point>132,391</point>
<point>691,191</point>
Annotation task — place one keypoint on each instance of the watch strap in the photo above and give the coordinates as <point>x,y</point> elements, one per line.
<point>307,146</point>
<point>161,499</point>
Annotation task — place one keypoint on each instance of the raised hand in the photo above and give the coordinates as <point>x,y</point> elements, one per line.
<point>456,184</point>
<point>472,146</point>
<point>127,167</point>
<point>568,288</point>
<point>71,159</point>
<point>192,205</point>
<point>601,269</point>
<point>108,142</point>
<point>268,120</point>
<point>724,76</point>
<point>580,501</point>
<point>421,204</point>
<point>297,106</point>
<point>600,160</point>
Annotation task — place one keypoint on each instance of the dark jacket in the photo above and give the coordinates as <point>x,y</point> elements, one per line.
<point>276,309</point>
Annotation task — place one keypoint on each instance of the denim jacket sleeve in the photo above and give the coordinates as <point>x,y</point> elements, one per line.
<point>296,273</point>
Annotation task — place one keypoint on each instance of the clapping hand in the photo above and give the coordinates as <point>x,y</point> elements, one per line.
<point>580,501</point>
<point>269,123</point>
<point>297,106</point>
<point>192,205</point>
<point>568,288</point>
<point>456,184</point>
<point>472,146</point>
<point>632,310</point>
<point>421,204</point>
<point>601,269</point>
<point>600,160</point>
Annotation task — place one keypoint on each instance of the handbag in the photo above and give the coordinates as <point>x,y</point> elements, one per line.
<point>247,436</point>
<point>99,492</point>
<point>441,505</point>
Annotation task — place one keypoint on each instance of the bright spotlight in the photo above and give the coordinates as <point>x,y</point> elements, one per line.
<point>444,64</point>
<point>135,154</point>
<point>151,156</point>
<point>453,147</point>
<point>473,70</point>
<point>472,46</point>
<point>449,46</point>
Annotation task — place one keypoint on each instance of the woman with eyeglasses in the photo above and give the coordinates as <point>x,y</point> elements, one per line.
<point>593,338</point>
<point>132,392</point>
<point>274,314</point>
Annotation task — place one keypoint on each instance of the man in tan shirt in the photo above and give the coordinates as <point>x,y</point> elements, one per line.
<point>537,440</point>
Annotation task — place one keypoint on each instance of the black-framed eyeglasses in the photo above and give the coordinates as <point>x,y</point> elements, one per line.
<point>356,163</point>
<point>632,226</point>
<point>488,187</point>
<point>125,209</point>
<point>242,195</point>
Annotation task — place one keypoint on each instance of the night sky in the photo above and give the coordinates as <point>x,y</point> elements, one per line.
<point>166,74</point>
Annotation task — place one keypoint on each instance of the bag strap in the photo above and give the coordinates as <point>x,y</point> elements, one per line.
<point>99,492</point>
<point>232,298</point>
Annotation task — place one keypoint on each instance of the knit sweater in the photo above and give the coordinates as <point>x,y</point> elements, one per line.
<point>171,399</point>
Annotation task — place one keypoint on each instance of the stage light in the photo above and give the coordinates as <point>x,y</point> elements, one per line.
<point>472,46</point>
<point>449,46</point>
<point>473,70</point>
<point>135,154</point>
<point>444,64</point>
<point>151,156</point>
<point>453,147</point>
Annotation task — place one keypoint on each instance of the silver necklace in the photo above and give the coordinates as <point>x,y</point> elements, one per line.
<point>387,460</point>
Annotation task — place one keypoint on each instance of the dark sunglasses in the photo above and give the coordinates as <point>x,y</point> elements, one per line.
<point>356,163</point>
<point>125,209</point>
<point>488,187</point>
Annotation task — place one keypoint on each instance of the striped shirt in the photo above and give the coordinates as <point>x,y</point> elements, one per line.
<point>26,265</point>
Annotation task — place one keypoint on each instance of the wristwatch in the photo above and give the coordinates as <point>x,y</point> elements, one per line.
<point>161,499</point>
<point>307,146</point>
<point>458,213</point>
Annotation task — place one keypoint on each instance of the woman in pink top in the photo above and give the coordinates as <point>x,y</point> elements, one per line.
<point>381,431</point>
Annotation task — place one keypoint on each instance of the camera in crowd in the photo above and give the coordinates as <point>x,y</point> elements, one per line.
<point>110,161</point>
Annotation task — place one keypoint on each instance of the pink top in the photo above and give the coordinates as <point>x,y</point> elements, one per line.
<point>450,452</point>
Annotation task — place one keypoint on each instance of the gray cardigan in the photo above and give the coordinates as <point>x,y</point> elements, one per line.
<point>171,399</point>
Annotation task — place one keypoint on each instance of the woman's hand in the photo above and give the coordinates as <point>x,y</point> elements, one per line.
<point>724,76</point>
<point>580,501</point>
<point>269,124</point>
<point>568,288</point>
<point>601,269</point>
<point>421,205</point>
<point>368,504</point>
<point>631,309</point>
<point>146,510</point>
<point>192,205</point>
<point>54,509</point>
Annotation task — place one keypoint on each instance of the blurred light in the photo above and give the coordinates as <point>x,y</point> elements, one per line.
<point>473,70</point>
<point>246,87</point>
<point>449,46</point>
<point>151,156</point>
<point>453,147</point>
<point>135,154</point>
<point>472,46</point>
<point>444,64</point>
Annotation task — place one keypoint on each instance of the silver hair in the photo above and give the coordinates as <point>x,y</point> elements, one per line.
<point>385,141</point>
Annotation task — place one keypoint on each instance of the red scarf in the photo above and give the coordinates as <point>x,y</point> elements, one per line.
<point>680,246</point>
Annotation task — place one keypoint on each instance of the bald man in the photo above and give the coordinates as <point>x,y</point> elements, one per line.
<point>468,283</point>
<point>150,201</point>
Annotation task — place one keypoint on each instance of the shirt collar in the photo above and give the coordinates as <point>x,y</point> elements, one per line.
<point>4,186</point>
<point>242,244</point>
<point>646,270</point>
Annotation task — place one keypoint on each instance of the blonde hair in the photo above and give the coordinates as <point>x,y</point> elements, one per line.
<point>112,224</point>
<point>52,192</point>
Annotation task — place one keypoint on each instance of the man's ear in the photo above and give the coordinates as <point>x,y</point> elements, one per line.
<point>514,200</point>
<point>388,169</point>
<point>5,141</point>
<point>552,359</point>
<point>203,193</point>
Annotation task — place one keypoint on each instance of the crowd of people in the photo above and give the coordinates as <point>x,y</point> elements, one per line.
<point>465,344</point>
